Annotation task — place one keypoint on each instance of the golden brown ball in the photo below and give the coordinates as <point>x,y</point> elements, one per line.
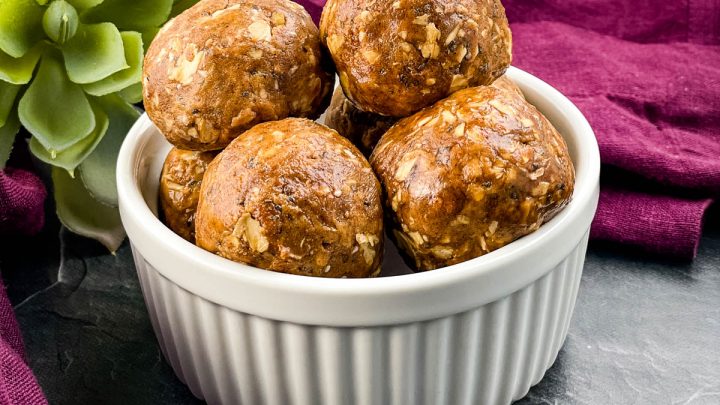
<point>180,181</point>
<point>396,57</point>
<point>471,174</point>
<point>223,66</point>
<point>295,197</point>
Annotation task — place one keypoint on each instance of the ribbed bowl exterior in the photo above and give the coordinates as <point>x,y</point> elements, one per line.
<point>492,354</point>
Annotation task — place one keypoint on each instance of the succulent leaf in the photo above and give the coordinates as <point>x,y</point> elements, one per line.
<point>98,170</point>
<point>148,35</point>
<point>71,157</point>
<point>82,214</point>
<point>131,14</point>
<point>7,137</point>
<point>54,109</point>
<point>181,5</point>
<point>8,92</point>
<point>133,46</point>
<point>20,70</point>
<point>60,21</point>
<point>20,26</point>
<point>94,53</point>
<point>132,94</point>
<point>84,4</point>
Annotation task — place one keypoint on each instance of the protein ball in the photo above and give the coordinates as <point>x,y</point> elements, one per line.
<point>396,57</point>
<point>469,175</point>
<point>180,181</point>
<point>295,197</point>
<point>223,66</point>
<point>362,129</point>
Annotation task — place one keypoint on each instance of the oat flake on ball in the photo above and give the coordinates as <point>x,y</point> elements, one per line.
<point>223,66</point>
<point>471,174</point>
<point>396,57</point>
<point>295,197</point>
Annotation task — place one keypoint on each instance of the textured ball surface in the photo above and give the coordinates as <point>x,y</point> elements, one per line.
<point>396,57</point>
<point>293,196</point>
<point>469,175</point>
<point>221,67</point>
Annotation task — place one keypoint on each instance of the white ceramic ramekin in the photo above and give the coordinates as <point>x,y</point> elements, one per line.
<point>479,332</point>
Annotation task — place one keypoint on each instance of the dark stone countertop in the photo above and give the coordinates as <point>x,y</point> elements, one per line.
<point>644,331</point>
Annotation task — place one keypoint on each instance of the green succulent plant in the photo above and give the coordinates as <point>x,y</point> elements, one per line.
<point>70,71</point>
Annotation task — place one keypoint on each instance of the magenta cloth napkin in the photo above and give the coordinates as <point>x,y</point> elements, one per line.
<point>17,383</point>
<point>22,198</point>
<point>314,7</point>
<point>645,73</point>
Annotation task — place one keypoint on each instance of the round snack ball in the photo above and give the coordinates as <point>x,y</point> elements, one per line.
<point>182,174</point>
<point>295,197</point>
<point>471,174</point>
<point>362,129</point>
<point>223,66</point>
<point>396,57</point>
<point>504,83</point>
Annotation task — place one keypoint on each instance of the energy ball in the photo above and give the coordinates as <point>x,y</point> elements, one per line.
<point>295,197</point>
<point>180,181</point>
<point>469,175</point>
<point>223,66</point>
<point>362,129</point>
<point>396,57</point>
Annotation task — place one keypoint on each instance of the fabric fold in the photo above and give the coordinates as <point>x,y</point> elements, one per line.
<point>658,224</point>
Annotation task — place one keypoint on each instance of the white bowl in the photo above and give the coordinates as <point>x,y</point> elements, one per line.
<point>479,332</point>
